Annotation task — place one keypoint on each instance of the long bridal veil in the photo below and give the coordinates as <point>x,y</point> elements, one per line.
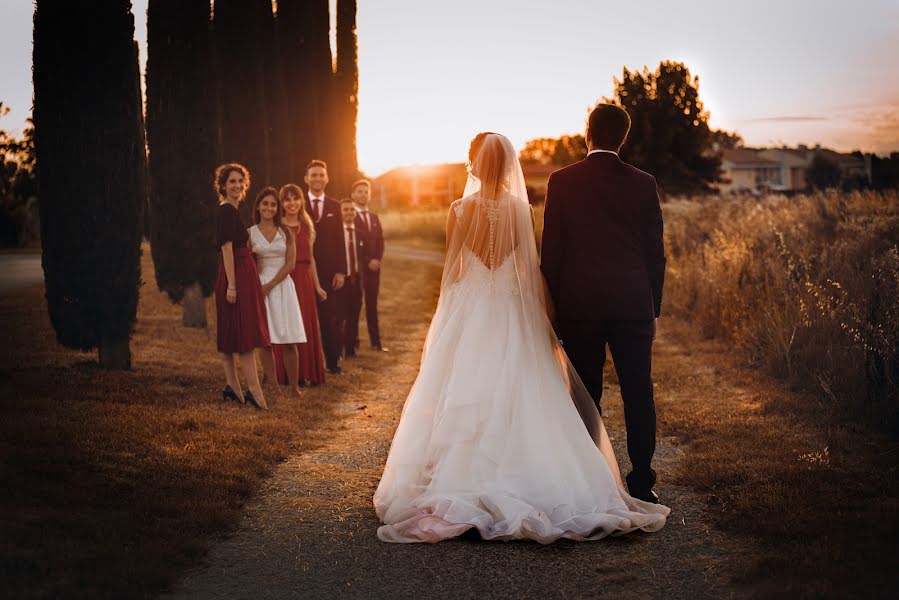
<point>498,432</point>
<point>494,222</point>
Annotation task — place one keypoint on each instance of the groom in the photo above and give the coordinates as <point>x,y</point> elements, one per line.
<point>604,263</point>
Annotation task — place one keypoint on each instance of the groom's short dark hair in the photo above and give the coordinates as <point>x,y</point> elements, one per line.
<point>608,126</point>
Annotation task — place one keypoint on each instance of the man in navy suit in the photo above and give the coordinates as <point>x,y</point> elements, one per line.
<point>330,259</point>
<point>604,263</point>
<point>369,223</point>
<point>349,297</point>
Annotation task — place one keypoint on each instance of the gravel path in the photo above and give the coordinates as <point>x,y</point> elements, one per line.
<point>311,532</point>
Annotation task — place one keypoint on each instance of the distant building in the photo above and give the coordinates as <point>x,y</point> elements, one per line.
<point>747,170</point>
<point>793,163</point>
<point>439,185</point>
<point>759,170</point>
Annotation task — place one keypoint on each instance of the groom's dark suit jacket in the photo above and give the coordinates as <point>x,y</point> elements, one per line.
<point>602,251</point>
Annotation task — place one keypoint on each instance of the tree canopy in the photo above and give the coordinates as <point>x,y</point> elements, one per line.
<point>670,136</point>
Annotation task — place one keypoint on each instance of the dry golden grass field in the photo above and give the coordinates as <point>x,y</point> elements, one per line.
<point>117,481</point>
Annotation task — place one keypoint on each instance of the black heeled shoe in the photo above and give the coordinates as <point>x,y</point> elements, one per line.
<point>228,394</point>
<point>250,399</point>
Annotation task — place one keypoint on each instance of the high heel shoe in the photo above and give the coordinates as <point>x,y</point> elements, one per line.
<point>228,394</point>
<point>250,399</point>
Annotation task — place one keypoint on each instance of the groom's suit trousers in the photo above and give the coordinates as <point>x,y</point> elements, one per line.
<point>630,342</point>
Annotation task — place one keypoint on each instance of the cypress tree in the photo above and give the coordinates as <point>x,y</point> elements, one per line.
<point>346,104</point>
<point>280,150</point>
<point>305,51</point>
<point>243,29</point>
<point>181,131</point>
<point>91,155</point>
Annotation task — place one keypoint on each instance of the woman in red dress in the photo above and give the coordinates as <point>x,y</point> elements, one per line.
<point>305,277</point>
<point>239,305</point>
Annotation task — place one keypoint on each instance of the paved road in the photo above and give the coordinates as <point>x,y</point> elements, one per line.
<point>19,271</point>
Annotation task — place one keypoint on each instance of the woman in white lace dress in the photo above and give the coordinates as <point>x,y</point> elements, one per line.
<point>273,247</point>
<point>498,433</point>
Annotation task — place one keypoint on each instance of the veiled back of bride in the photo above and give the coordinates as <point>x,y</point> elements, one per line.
<point>491,226</point>
<point>491,245</point>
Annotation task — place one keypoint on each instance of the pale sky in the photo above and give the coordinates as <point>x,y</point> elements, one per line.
<point>435,72</point>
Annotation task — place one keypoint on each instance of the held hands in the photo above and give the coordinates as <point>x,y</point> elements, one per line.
<point>338,281</point>
<point>231,295</point>
<point>374,264</point>
<point>266,288</point>
<point>322,294</point>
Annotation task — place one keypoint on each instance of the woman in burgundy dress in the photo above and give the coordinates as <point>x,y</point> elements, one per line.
<point>305,277</point>
<point>239,305</point>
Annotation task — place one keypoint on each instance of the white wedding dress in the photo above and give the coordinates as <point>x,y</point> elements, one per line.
<point>498,433</point>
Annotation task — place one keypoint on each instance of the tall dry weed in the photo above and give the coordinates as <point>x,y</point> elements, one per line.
<point>807,286</point>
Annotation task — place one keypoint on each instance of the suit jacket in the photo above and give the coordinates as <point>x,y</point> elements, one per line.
<point>603,254</point>
<point>328,247</point>
<point>375,235</point>
<point>363,251</point>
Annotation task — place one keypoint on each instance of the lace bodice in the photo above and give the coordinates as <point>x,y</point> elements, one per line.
<point>479,277</point>
<point>486,219</point>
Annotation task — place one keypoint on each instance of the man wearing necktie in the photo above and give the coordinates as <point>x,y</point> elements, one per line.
<point>368,222</point>
<point>330,259</point>
<point>350,296</point>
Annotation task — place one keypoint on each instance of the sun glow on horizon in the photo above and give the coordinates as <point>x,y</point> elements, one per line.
<point>433,74</point>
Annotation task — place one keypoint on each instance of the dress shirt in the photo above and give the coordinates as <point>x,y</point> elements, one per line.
<point>601,150</point>
<point>346,248</point>
<point>321,206</point>
<point>365,217</point>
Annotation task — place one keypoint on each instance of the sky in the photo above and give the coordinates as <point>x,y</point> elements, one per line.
<point>435,72</point>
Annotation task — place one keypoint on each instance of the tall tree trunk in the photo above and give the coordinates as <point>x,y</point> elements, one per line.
<point>194,305</point>
<point>346,105</point>
<point>278,124</point>
<point>91,158</point>
<point>115,353</point>
<point>243,29</point>
<point>305,51</point>
<point>181,129</point>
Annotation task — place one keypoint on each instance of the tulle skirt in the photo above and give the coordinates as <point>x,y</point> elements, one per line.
<point>489,438</point>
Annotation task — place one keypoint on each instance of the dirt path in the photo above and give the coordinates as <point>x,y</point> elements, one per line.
<point>311,532</point>
<point>20,270</point>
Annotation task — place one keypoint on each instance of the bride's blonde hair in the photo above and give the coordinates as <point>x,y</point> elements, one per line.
<point>486,159</point>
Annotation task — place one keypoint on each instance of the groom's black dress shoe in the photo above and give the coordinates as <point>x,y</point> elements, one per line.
<point>646,496</point>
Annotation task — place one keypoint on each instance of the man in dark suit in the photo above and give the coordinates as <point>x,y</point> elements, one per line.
<point>330,259</point>
<point>604,263</point>
<point>349,297</point>
<point>369,223</point>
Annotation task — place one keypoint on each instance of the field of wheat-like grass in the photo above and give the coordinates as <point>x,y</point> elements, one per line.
<point>805,287</point>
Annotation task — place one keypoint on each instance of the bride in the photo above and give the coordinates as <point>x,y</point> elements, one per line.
<point>498,433</point>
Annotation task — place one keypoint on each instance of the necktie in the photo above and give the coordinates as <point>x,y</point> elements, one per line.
<point>316,211</point>
<point>367,222</point>
<point>351,248</point>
